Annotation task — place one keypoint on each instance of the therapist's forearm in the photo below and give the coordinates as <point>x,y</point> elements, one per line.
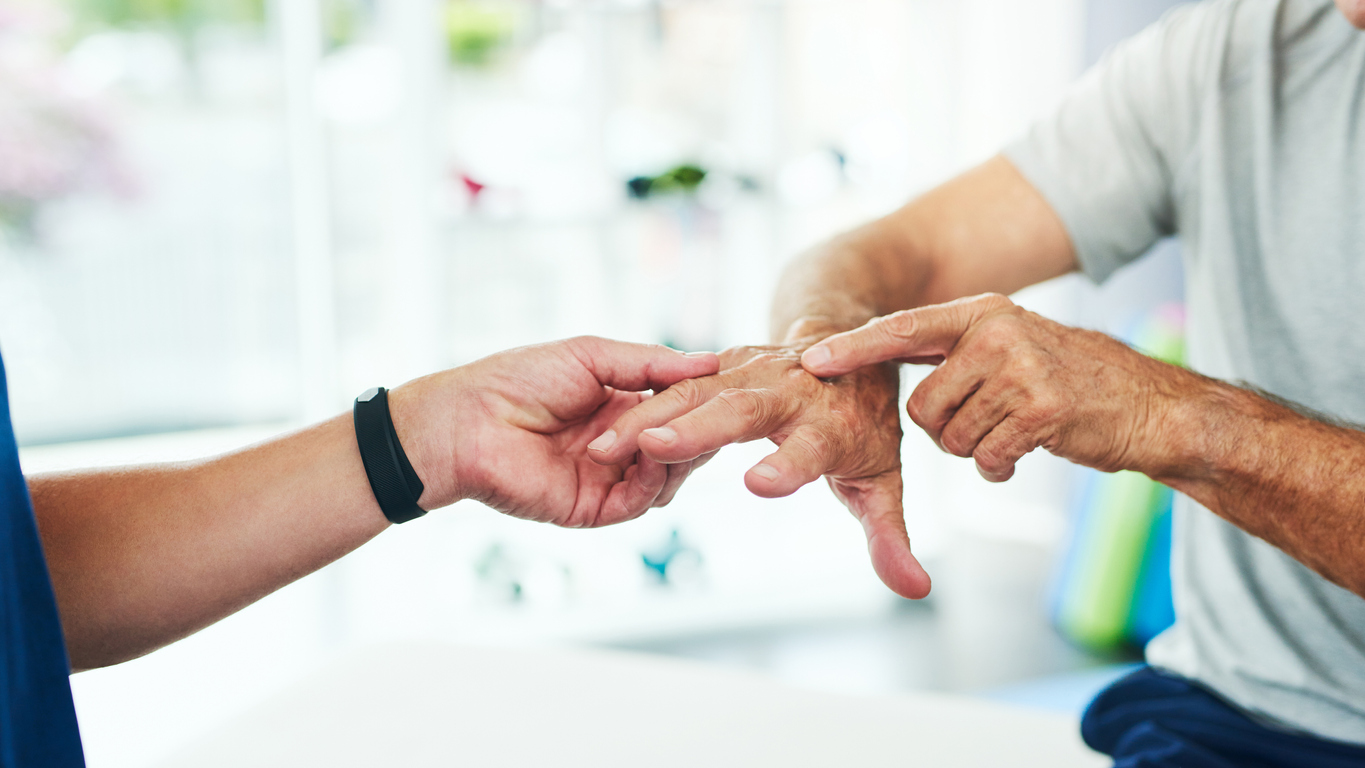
<point>143,556</point>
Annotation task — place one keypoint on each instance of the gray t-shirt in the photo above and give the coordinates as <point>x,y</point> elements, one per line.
<point>1239,125</point>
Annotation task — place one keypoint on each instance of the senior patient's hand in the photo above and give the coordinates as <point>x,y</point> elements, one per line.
<point>1010,381</point>
<point>846,429</point>
<point>512,430</point>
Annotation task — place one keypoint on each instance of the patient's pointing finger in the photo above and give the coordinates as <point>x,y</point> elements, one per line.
<point>733,416</point>
<point>620,441</point>
<point>925,332</point>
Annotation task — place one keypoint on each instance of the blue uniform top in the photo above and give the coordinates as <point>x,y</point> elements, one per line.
<point>37,716</point>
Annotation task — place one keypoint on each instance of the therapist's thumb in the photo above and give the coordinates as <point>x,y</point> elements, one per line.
<point>637,367</point>
<point>925,334</point>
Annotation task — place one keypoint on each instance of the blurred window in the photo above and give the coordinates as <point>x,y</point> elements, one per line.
<point>145,272</point>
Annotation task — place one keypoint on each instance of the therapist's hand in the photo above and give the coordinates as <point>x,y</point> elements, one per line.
<point>1009,381</point>
<point>846,429</point>
<point>512,430</point>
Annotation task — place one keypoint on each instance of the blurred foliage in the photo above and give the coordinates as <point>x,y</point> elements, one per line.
<point>476,30</point>
<point>176,14</point>
<point>342,21</point>
<point>682,178</point>
<point>18,219</point>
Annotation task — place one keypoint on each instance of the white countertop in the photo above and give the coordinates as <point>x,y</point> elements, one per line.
<point>417,705</point>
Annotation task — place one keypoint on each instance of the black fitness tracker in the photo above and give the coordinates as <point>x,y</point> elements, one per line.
<point>392,479</point>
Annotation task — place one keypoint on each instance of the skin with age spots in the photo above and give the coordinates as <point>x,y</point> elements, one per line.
<point>1008,381</point>
<point>1011,381</point>
<point>839,428</point>
<point>987,228</point>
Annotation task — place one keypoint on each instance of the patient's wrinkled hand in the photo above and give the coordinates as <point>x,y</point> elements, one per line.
<point>846,429</point>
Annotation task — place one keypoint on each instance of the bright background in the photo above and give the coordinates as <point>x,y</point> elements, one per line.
<point>224,218</point>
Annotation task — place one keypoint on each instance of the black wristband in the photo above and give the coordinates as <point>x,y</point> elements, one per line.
<point>392,479</point>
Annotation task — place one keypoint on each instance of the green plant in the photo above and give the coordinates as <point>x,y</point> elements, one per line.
<point>175,14</point>
<point>476,30</point>
<point>681,178</point>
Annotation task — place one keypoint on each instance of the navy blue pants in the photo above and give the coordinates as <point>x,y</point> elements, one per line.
<point>1154,720</point>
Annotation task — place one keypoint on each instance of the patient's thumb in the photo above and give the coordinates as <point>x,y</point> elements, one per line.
<point>896,565</point>
<point>888,544</point>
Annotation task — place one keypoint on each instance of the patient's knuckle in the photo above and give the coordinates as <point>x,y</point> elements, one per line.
<point>915,407</point>
<point>688,391</point>
<point>765,359</point>
<point>956,441</point>
<point>989,461</point>
<point>594,346</point>
<point>1014,318</point>
<point>1021,379</point>
<point>1048,402</point>
<point>816,445</point>
<point>996,454</point>
<point>900,325</point>
<point>742,403</point>
<point>1028,363</point>
<point>1040,404</point>
<point>993,300</point>
<point>990,342</point>
<point>796,377</point>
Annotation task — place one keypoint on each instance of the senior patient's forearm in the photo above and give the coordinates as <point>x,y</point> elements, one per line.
<point>1292,479</point>
<point>143,556</point>
<point>987,230</point>
<point>846,282</point>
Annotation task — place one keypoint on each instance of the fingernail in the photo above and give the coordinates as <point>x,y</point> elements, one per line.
<point>698,354</point>
<point>766,472</point>
<point>816,357</point>
<point>604,441</point>
<point>662,434</point>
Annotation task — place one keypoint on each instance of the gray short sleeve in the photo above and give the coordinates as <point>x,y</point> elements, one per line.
<point>1107,159</point>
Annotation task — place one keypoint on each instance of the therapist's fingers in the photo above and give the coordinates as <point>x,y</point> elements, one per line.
<point>677,473</point>
<point>635,493</point>
<point>876,502</point>
<point>733,416</point>
<point>923,334</point>
<point>621,440</point>
<point>636,367</point>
